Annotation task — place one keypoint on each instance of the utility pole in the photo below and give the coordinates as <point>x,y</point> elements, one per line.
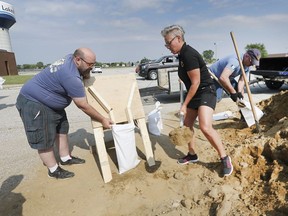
<point>215,44</point>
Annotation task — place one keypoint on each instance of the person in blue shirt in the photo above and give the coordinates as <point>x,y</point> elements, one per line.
<point>228,69</point>
<point>200,100</point>
<point>41,104</point>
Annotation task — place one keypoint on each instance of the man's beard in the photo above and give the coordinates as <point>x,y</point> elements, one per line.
<point>86,74</point>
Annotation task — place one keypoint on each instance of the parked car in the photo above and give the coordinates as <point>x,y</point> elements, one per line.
<point>138,67</point>
<point>96,69</point>
<point>149,70</point>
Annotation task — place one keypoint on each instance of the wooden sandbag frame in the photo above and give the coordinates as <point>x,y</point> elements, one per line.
<point>99,133</point>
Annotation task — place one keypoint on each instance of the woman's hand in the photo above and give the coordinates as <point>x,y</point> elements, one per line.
<point>183,110</point>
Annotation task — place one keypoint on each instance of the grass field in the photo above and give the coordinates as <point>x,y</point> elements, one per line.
<point>16,79</point>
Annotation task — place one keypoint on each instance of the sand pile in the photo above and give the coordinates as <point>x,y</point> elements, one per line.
<point>274,108</point>
<point>261,160</point>
<point>180,136</point>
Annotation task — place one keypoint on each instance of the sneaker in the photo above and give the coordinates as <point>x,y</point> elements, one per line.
<point>227,166</point>
<point>188,159</point>
<point>60,173</point>
<point>73,160</point>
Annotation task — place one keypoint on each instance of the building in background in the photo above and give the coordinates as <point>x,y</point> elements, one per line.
<point>7,57</point>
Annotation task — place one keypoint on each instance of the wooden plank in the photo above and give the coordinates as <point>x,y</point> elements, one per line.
<point>102,154</point>
<point>102,102</point>
<point>128,108</point>
<point>115,89</point>
<point>99,99</point>
<point>146,141</point>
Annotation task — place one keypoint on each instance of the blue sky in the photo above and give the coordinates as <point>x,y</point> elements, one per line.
<point>129,30</point>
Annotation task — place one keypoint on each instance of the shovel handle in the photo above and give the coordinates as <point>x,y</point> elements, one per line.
<point>246,82</point>
<point>217,80</point>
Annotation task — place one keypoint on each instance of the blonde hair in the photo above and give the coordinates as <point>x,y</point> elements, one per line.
<point>175,30</point>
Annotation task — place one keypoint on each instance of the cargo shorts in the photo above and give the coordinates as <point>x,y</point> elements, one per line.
<point>41,123</point>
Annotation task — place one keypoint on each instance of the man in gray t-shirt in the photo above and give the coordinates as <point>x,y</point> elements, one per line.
<point>228,68</point>
<point>41,104</point>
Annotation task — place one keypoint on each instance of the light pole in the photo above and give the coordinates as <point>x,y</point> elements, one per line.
<point>215,44</point>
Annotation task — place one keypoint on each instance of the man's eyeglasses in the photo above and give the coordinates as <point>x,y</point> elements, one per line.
<point>250,60</point>
<point>88,63</point>
<point>168,44</point>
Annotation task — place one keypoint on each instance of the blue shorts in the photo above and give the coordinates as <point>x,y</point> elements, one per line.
<point>41,123</point>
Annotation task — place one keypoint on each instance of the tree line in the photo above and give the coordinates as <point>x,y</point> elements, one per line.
<point>41,65</point>
<point>209,55</point>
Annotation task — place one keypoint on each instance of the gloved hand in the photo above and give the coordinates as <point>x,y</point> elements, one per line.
<point>239,95</point>
<point>235,96</point>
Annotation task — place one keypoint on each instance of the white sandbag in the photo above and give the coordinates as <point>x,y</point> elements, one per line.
<point>155,124</point>
<point>248,114</point>
<point>124,140</point>
<point>1,82</point>
<point>221,116</point>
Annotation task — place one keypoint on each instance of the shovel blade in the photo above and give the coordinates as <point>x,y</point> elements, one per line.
<point>248,114</point>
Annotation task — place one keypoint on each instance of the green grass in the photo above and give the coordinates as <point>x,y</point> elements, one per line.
<point>16,79</point>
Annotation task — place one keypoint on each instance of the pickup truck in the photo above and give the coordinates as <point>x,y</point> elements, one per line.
<point>150,70</point>
<point>272,70</point>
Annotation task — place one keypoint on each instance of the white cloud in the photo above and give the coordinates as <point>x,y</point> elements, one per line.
<point>56,8</point>
<point>138,5</point>
<point>128,23</point>
<point>244,21</point>
<point>225,3</point>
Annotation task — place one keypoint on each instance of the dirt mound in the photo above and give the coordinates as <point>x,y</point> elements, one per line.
<point>274,108</point>
<point>260,160</point>
<point>180,136</point>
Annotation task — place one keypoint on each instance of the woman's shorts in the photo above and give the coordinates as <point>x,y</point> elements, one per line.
<point>41,123</point>
<point>206,96</point>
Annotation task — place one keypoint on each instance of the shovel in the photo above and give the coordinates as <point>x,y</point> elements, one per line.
<point>247,113</point>
<point>256,119</point>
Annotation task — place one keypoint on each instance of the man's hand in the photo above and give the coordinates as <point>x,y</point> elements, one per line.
<point>107,123</point>
<point>235,96</point>
<point>239,95</point>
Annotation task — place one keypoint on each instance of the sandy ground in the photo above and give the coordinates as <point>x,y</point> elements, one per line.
<point>258,185</point>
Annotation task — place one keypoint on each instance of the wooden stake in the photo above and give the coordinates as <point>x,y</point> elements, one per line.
<point>128,108</point>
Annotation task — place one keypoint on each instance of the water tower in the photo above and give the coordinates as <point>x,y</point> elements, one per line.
<point>7,58</point>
